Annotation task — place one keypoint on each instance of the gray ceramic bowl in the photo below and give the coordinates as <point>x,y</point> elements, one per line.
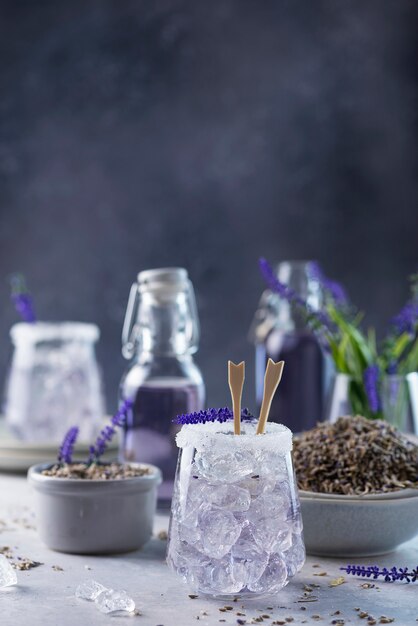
<point>354,526</point>
<point>94,516</point>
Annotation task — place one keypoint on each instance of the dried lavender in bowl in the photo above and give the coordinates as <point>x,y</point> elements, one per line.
<point>355,456</point>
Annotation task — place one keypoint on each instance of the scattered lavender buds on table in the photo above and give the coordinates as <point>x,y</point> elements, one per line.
<point>389,575</point>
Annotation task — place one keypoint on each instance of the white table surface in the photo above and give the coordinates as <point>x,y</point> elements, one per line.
<point>44,596</point>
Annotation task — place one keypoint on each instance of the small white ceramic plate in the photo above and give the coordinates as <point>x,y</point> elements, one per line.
<point>18,456</point>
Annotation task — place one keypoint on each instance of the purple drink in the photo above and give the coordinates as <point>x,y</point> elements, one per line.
<point>149,433</point>
<point>300,401</point>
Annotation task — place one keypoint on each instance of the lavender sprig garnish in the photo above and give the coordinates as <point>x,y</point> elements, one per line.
<point>332,287</point>
<point>212,415</point>
<point>65,453</point>
<point>371,380</point>
<point>22,299</point>
<point>389,575</point>
<point>107,433</point>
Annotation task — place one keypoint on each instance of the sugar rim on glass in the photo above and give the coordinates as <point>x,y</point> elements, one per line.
<point>277,437</point>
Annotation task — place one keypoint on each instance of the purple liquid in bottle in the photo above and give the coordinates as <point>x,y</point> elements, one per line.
<point>149,435</point>
<point>299,402</point>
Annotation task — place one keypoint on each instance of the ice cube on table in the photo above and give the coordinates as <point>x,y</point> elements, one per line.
<point>219,531</point>
<point>273,578</point>
<point>89,590</point>
<point>7,573</point>
<point>111,601</point>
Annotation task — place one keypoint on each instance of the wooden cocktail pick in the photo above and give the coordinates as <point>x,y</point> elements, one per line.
<point>236,377</point>
<point>271,382</point>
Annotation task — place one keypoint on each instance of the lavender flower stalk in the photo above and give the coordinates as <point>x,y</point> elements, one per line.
<point>65,453</point>
<point>335,289</point>
<point>22,299</point>
<point>371,380</point>
<point>319,319</point>
<point>107,433</point>
<point>212,415</point>
<point>406,320</point>
<point>373,571</point>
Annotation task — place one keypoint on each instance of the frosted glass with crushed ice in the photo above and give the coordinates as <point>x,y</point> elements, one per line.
<point>236,526</point>
<point>7,573</point>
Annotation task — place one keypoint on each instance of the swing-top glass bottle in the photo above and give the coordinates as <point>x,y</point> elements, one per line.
<point>160,336</point>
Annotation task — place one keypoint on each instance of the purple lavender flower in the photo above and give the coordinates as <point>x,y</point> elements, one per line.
<point>370,380</point>
<point>335,289</point>
<point>65,453</point>
<point>319,318</point>
<point>392,368</point>
<point>407,319</point>
<point>107,433</point>
<point>373,571</point>
<point>212,415</point>
<point>22,299</point>
<point>284,291</point>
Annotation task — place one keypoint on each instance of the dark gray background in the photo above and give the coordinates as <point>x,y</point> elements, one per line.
<point>201,133</point>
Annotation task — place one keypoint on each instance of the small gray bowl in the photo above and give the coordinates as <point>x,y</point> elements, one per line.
<point>94,516</point>
<point>357,526</point>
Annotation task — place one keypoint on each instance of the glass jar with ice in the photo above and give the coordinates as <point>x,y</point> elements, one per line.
<point>235,526</point>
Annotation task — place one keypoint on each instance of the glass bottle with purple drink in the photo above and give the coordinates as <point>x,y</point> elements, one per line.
<point>280,333</point>
<point>160,335</point>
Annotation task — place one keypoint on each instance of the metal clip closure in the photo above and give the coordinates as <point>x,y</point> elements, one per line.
<point>129,330</point>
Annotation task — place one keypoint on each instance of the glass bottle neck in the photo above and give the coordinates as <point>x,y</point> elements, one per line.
<point>162,329</point>
<point>275,312</point>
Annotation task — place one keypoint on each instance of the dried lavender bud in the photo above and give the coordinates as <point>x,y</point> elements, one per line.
<point>355,455</point>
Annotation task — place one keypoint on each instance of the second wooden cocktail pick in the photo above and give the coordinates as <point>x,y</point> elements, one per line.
<point>271,382</point>
<point>236,377</point>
